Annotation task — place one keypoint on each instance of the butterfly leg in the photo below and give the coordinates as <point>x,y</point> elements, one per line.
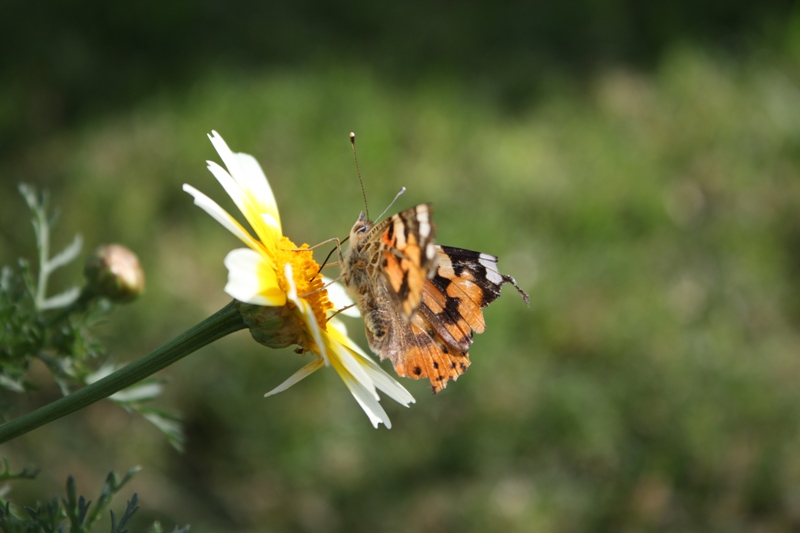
<point>323,288</point>
<point>345,308</point>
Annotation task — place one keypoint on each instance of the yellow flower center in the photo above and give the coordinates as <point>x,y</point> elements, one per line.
<point>307,278</point>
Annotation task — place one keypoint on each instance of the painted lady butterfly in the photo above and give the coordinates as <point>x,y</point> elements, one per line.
<point>421,302</point>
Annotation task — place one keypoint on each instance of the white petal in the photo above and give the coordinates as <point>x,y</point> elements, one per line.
<point>304,372</point>
<point>353,367</point>
<point>252,279</point>
<point>377,375</point>
<point>250,178</point>
<point>255,181</point>
<point>338,296</point>
<point>229,184</point>
<point>248,205</point>
<point>220,215</point>
<point>388,385</point>
<point>271,221</point>
<point>231,162</point>
<point>369,404</point>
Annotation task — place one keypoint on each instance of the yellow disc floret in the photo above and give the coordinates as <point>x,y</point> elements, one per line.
<point>307,278</point>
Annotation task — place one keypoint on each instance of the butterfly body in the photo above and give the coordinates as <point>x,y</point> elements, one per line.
<point>421,302</point>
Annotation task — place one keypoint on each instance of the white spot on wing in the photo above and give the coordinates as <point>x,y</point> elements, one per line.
<point>399,232</point>
<point>490,263</point>
<point>424,223</point>
<point>430,251</point>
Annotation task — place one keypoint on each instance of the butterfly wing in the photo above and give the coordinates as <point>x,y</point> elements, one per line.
<point>407,256</point>
<point>437,344</point>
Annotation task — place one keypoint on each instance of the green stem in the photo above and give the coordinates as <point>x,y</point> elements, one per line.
<point>225,321</point>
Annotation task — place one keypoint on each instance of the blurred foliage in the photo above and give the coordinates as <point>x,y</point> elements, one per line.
<point>35,325</point>
<point>652,214</point>
<point>66,62</point>
<point>56,330</point>
<point>27,472</point>
<point>73,510</point>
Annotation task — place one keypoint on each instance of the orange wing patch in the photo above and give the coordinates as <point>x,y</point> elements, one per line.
<point>463,288</point>
<point>452,301</point>
<point>407,255</point>
<point>424,357</point>
<point>406,280</point>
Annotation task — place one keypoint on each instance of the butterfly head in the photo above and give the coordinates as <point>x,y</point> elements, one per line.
<point>360,229</point>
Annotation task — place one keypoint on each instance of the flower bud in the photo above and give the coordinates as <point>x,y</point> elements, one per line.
<point>275,327</point>
<point>113,272</point>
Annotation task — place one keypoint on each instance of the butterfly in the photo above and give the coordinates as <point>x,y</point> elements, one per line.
<point>421,302</point>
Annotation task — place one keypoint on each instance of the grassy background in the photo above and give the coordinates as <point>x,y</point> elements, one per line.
<point>646,194</point>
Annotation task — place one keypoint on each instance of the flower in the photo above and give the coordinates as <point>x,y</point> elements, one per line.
<point>288,301</point>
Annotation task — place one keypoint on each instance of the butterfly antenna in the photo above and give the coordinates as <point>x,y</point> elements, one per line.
<point>399,193</point>
<point>358,171</point>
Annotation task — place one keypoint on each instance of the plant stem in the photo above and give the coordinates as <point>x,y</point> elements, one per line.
<point>225,321</point>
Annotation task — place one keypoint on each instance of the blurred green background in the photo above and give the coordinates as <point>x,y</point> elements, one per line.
<point>636,166</point>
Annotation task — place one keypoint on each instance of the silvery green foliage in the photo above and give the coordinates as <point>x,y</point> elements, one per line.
<point>57,329</point>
